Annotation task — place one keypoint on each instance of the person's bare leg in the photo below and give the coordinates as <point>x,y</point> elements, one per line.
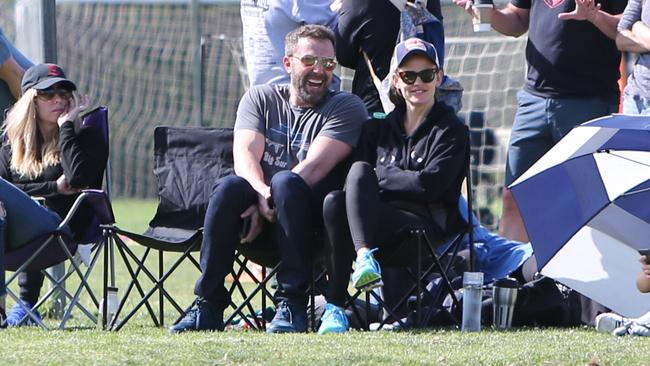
<point>511,225</point>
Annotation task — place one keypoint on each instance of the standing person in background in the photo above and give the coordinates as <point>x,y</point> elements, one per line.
<point>42,155</point>
<point>265,25</point>
<point>370,26</point>
<point>12,67</point>
<point>573,70</point>
<point>634,36</point>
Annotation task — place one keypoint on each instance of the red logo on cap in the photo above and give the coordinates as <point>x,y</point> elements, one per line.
<point>52,70</point>
<point>414,43</point>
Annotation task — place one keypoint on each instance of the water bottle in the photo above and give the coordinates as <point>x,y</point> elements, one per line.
<point>504,298</point>
<point>111,307</point>
<point>472,295</point>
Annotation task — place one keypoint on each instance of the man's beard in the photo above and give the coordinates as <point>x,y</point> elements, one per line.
<point>313,97</point>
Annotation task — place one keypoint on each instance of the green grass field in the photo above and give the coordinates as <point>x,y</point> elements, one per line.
<point>141,343</point>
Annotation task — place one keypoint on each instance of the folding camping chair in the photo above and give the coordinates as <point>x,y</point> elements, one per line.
<point>187,163</point>
<point>56,245</point>
<point>429,259</point>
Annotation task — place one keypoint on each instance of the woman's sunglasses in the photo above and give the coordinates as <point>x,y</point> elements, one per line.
<point>426,75</point>
<point>49,94</point>
<point>327,63</point>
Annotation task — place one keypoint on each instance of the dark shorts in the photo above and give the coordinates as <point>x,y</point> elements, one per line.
<point>541,122</point>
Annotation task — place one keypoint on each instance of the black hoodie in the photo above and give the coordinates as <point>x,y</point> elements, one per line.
<point>422,171</point>
<point>83,161</point>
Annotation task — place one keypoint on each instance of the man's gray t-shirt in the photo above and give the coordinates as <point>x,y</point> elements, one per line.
<point>289,130</point>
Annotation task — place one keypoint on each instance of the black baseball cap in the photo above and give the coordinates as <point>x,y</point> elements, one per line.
<point>43,76</point>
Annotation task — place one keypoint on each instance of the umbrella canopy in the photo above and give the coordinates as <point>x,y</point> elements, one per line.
<point>586,208</point>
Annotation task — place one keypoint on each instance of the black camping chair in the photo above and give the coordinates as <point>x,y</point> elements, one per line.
<point>187,163</point>
<point>422,258</point>
<point>57,245</point>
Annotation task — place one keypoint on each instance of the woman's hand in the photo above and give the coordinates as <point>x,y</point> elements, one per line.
<point>265,203</point>
<point>63,187</point>
<point>74,109</point>
<point>252,214</point>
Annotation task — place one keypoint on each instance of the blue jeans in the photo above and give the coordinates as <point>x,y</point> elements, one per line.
<point>25,221</point>
<point>635,104</point>
<point>291,238</point>
<point>541,122</point>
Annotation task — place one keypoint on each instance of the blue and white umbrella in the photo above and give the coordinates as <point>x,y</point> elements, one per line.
<point>586,207</point>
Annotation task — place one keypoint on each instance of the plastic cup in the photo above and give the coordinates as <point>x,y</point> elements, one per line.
<point>482,20</point>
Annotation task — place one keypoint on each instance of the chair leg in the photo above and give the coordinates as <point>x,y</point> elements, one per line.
<point>418,307</point>
<point>263,301</point>
<point>443,269</point>
<point>125,253</point>
<point>261,287</point>
<point>312,300</point>
<point>243,269</point>
<point>161,300</point>
<point>106,237</point>
<point>157,285</point>
<point>75,299</point>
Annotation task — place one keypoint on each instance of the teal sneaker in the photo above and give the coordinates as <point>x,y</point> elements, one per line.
<point>367,274</point>
<point>333,320</point>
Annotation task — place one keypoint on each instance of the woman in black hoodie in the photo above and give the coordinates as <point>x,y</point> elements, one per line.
<point>408,173</point>
<point>43,154</point>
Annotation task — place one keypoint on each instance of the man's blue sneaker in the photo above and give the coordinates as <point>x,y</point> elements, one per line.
<point>333,320</point>
<point>367,274</point>
<point>18,317</point>
<point>289,318</point>
<point>202,316</point>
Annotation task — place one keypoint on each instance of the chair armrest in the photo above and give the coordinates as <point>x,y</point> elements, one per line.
<point>100,203</point>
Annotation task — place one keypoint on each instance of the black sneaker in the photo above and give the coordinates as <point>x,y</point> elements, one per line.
<point>289,318</point>
<point>202,316</point>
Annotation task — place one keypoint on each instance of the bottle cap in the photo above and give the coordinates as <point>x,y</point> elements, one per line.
<point>473,278</point>
<point>507,282</point>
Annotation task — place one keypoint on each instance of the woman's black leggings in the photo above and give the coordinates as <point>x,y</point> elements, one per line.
<point>357,218</point>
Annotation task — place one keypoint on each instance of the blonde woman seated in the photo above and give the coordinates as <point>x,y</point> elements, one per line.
<point>409,173</point>
<point>43,155</point>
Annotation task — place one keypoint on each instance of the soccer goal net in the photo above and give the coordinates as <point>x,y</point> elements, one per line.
<point>152,64</point>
